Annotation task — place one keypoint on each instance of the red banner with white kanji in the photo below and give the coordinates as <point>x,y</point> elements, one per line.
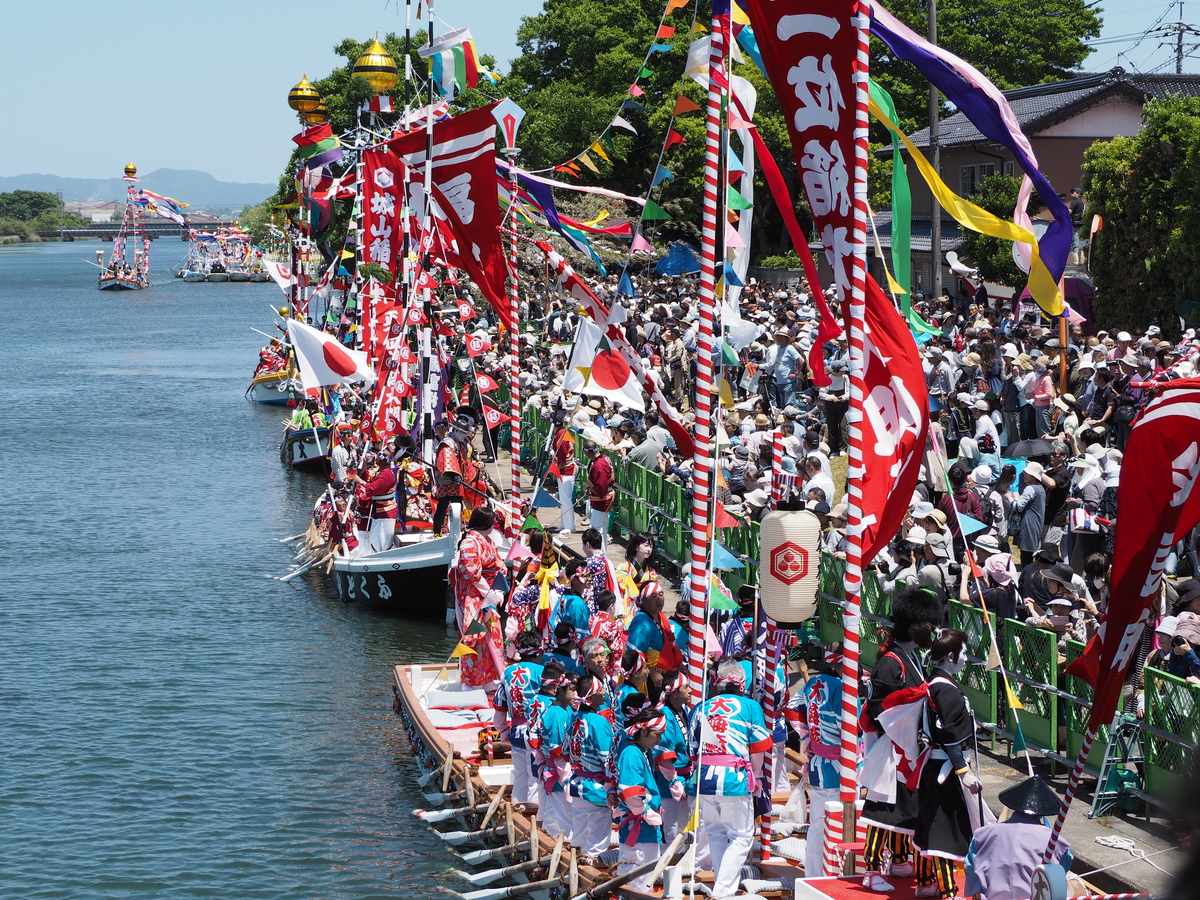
<point>383,188</point>
<point>808,48</point>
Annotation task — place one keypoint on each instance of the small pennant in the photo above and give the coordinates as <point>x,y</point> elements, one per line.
<point>673,138</point>
<point>643,72</point>
<point>462,649</point>
<point>635,90</point>
<point>476,627</point>
<point>587,161</point>
<point>633,104</point>
<point>665,32</point>
<point>654,212</point>
<point>660,175</point>
<point>684,104</point>
<point>465,311</point>
<point>486,383</point>
<point>619,122</point>
<point>734,199</point>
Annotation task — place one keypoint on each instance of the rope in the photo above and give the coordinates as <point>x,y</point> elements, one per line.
<point>1123,843</point>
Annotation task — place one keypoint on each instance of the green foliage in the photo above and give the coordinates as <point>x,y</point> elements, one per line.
<point>789,260</point>
<point>1146,259</point>
<point>376,271</point>
<point>256,219</point>
<point>10,228</point>
<point>25,206</point>
<point>1014,42</point>
<point>993,256</point>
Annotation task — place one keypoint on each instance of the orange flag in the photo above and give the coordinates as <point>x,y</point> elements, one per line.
<point>673,5</point>
<point>665,31</point>
<point>684,105</point>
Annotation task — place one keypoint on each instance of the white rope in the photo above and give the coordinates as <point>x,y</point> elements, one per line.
<point>1122,843</point>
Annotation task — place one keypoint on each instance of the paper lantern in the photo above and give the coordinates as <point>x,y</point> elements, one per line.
<point>789,563</point>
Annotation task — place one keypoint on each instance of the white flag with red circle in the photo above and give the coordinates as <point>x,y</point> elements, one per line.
<point>322,360</point>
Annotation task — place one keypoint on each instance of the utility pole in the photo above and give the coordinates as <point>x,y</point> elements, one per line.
<point>1179,42</point>
<point>935,209</point>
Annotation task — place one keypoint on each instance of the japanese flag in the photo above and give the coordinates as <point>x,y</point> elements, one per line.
<point>322,360</point>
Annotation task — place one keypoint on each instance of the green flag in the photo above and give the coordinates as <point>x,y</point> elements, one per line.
<point>720,597</point>
<point>654,211</point>
<point>728,356</point>
<point>734,199</point>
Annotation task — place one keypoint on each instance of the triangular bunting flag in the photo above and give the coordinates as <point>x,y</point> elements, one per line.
<point>733,239</point>
<point>661,48</point>
<point>643,72</point>
<point>599,151</point>
<point>633,104</point>
<point>531,522</point>
<point>587,161</point>
<point>697,28</point>
<point>723,559</point>
<point>665,31</point>
<point>625,287</point>
<point>519,550</point>
<point>720,597</point>
<point>654,212</point>
<point>737,123</point>
<point>476,627</point>
<point>723,519</point>
<point>640,244</point>
<point>460,649</point>
<point>618,122</point>
<point>733,280</point>
<point>661,175</point>
<point>635,90</point>
<point>500,583</point>
<point>734,199</point>
<point>684,104</point>
<point>674,137</point>
<point>543,499</point>
<point>969,525</point>
<point>673,5</point>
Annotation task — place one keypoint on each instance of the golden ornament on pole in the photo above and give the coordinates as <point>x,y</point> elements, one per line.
<point>316,116</point>
<point>378,67</point>
<point>130,169</point>
<point>304,97</point>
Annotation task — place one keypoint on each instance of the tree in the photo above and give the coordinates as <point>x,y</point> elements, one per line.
<point>25,206</point>
<point>1146,190</point>
<point>993,256</point>
<point>1013,42</point>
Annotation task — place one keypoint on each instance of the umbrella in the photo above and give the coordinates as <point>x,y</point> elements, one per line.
<point>1029,448</point>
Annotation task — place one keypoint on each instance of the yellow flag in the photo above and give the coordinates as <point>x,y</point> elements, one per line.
<point>894,285</point>
<point>599,151</point>
<point>596,221</point>
<point>697,28</point>
<point>727,400</point>
<point>587,161</point>
<point>739,15</point>
<point>1042,286</point>
<point>461,650</point>
<point>1013,702</point>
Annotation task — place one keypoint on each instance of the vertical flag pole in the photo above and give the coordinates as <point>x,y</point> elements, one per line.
<point>852,615</point>
<point>776,468</point>
<point>702,469</point>
<point>508,116</point>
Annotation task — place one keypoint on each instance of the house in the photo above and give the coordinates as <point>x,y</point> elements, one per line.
<point>96,211</point>
<point>1061,119</point>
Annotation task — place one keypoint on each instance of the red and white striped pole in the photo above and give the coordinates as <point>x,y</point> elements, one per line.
<point>702,467</point>
<point>852,614</point>
<point>776,468</point>
<point>508,116</point>
<point>774,653</point>
<point>1072,787</point>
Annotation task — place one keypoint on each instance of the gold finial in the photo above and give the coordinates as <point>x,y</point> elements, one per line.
<point>378,67</point>
<point>304,97</point>
<point>130,169</point>
<point>316,116</point>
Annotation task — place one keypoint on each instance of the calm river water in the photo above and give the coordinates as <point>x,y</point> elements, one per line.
<point>174,723</point>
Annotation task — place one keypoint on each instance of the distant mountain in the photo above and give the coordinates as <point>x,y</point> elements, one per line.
<point>196,188</point>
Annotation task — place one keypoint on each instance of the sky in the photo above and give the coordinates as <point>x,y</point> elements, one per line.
<point>204,86</point>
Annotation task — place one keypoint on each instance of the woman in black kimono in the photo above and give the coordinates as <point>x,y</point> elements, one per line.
<point>916,614</point>
<point>945,818</point>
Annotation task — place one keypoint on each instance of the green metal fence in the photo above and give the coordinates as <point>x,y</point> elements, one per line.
<point>1077,714</point>
<point>1171,707</point>
<point>1031,655</point>
<point>977,681</point>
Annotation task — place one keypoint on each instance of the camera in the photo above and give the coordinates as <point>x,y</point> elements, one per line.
<point>1178,641</point>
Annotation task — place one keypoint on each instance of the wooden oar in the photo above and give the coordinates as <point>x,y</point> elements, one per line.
<point>478,856</point>
<point>657,866</point>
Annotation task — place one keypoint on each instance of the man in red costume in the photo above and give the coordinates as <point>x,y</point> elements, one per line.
<point>601,490</point>
<point>380,488</point>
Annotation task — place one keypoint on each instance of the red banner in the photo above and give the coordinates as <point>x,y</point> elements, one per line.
<point>894,422</point>
<point>383,186</point>
<point>809,48</point>
<point>464,192</point>
<point>1156,505</point>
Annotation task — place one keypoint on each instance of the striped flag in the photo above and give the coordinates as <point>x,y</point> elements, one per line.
<point>453,63</point>
<point>381,103</point>
<point>318,146</point>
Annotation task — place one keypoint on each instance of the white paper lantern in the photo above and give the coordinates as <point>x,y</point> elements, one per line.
<point>788,564</point>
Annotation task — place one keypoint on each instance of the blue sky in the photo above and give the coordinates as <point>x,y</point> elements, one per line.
<point>92,85</point>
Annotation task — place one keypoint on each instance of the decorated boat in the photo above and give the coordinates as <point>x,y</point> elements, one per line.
<point>306,449</point>
<point>128,266</point>
<point>409,579</point>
